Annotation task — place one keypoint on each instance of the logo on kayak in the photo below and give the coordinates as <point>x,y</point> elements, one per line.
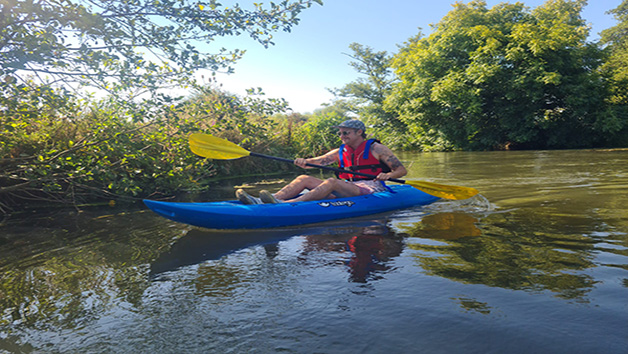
<point>347,203</point>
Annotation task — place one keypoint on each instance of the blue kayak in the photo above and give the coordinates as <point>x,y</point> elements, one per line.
<point>235,215</point>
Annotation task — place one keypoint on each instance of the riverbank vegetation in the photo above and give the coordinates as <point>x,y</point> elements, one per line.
<point>89,110</point>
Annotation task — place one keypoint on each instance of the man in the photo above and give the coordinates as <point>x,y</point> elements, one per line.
<point>356,153</point>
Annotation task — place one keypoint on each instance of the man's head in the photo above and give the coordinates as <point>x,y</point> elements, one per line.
<point>352,125</point>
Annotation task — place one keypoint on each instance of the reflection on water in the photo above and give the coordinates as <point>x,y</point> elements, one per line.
<point>370,247</point>
<point>446,226</point>
<point>371,252</point>
<point>61,271</point>
<point>472,305</point>
<point>513,256</point>
<point>542,266</point>
<point>366,250</point>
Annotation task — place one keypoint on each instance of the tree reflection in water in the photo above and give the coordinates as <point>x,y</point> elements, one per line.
<point>513,254</point>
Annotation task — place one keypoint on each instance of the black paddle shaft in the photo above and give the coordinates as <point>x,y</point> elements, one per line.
<point>323,167</point>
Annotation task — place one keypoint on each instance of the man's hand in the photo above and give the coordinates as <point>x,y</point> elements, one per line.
<point>383,177</point>
<point>300,162</point>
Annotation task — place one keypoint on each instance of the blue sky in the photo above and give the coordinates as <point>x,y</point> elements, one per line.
<point>305,62</point>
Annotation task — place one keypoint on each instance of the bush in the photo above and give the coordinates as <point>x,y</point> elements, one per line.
<point>58,149</point>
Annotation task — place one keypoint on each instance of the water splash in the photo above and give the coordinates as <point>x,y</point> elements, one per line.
<point>475,204</point>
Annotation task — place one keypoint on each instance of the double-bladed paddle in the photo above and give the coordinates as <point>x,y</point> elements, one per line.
<point>209,146</point>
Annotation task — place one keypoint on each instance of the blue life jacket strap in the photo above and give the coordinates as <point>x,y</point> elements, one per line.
<point>367,148</point>
<point>340,152</point>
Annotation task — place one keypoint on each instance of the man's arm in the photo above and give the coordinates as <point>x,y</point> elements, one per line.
<point>384,154</point>
<point>323,160</point>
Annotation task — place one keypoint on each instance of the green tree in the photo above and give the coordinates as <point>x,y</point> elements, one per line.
<point>373,88</point>
<point>504,77</point>
<point>616,41</point>
<point>615,69</point>
<point>365,96</point>
<point>128,46</point>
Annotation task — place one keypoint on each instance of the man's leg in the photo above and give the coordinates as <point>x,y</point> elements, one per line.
<point>297,186</point>
<point>340,189</point>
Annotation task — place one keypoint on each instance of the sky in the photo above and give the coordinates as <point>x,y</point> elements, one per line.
<point>312,58</point>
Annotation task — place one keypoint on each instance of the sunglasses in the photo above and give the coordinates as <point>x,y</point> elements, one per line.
<point>346,132</point>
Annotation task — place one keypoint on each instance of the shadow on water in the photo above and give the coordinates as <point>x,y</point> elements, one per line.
<point>200,245</point>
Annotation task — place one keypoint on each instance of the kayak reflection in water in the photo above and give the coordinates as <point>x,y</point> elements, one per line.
<point>356,153</point>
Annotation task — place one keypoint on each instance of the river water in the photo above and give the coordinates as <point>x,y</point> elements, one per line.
<point>538,263</point>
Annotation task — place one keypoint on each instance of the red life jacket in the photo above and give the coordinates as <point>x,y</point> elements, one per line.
<point>360,160</point>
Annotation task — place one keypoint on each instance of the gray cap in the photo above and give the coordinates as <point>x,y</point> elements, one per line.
<point>353,124</point>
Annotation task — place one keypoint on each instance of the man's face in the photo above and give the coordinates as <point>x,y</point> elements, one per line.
<point>347,135</point>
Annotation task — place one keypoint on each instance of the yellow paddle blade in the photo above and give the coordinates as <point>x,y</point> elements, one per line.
<point>215,148</point>
<point>444,191</point>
